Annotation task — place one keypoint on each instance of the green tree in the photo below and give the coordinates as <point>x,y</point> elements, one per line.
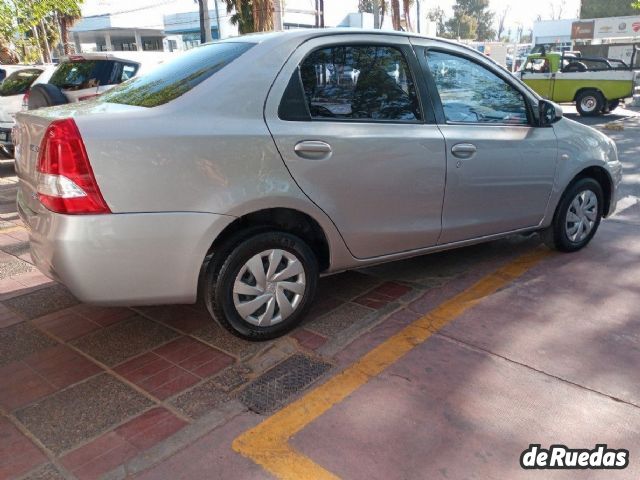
<point>471,19</point>
<point>608,8</point>
<point>366,6</point>
<point>436,14</point>
<point>31,28</point>
<point>251,15</point>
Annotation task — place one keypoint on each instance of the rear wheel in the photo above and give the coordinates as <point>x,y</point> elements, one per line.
<point>589,103</point>
<point>613,104</point>
<point>263,286</point>
<point>577,217</point>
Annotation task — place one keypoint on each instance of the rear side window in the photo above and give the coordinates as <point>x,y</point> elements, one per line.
<point>359,82</point>
<point>176,77</point>
<point>81,74</point>
<point>19,82</point>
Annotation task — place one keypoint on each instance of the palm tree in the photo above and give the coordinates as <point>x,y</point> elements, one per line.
<point>263,15</point>
<point>67,14</point>
<point>251,15</point>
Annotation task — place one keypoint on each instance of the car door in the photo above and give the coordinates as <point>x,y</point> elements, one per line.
<point>350,117</point>
<point>500,166</point>
<point>537,74</point>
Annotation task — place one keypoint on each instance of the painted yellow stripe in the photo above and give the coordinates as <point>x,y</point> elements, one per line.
<point>267,444</point>
<point>11,229</point>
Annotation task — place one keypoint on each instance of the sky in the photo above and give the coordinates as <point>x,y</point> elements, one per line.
<point>520,11</point>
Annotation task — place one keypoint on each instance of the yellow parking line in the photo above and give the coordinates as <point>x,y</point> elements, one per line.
<point>11,229</point>
<point>267,443</point>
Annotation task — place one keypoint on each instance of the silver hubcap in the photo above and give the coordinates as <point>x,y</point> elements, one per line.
<point>269,287</point>
<point>581,216</point>
<point>588,104</point>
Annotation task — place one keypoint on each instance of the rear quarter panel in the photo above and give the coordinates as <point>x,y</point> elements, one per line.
<point>207,151</point>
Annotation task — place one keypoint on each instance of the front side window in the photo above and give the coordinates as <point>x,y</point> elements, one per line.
<point>471,93</point>
<point>359,82</point>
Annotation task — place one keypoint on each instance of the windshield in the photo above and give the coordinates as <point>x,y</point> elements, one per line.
<point>19,82</point>
<point>178,76</point>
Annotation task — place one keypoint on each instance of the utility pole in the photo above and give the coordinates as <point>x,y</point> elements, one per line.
<point>418,15</point>
<point>205,21</point>
<point>376,13</point>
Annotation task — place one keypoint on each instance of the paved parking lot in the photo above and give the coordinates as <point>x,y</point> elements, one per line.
<point>443,366</point>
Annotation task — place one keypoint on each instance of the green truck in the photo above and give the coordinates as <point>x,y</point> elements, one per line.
<point>596,85</point>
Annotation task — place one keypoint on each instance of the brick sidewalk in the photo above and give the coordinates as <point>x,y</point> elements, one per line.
<point>85,390</point>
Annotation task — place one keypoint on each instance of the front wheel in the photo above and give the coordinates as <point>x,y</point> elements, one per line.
<point>577,217</point>
<point>264,286</point>
<point>590,103</point>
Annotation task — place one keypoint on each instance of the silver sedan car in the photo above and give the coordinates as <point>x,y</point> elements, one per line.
<point>245,169</point>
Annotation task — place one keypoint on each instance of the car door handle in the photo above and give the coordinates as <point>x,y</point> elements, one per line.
<point>313,149</point>
<point>463,150</point>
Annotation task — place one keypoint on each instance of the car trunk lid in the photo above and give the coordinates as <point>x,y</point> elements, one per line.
<point>29,132</point>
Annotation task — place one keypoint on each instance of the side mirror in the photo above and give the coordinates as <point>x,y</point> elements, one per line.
<point>548,113</point>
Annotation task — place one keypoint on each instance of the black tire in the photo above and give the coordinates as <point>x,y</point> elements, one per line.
<point>224,268</point>
<point>589,103</point>
<point>556,236</point>
<point>45,95</point>
<point>613,104</point>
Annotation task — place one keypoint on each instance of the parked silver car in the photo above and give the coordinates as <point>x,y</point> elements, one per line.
<point>246,168</point>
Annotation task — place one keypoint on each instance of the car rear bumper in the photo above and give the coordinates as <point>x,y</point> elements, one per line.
<point>124,259</point>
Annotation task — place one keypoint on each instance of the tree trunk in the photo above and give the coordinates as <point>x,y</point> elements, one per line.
<point>64,34</point>
<point>407,14</point>
<point>45,42</point>
<point>35,33</point>
<point>262,15</point>
<point>395,14</point>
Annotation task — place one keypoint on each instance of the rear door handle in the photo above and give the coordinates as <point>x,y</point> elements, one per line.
<point>463,150</point>
<point>313,149</point>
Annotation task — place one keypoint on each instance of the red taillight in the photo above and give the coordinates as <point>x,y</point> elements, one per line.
<point>25,101</point>
<point>66,183</point>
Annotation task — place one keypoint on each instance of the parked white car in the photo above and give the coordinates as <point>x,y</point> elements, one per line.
<point>6,70</point>
<point>12,93</point>
<point>87,75</point>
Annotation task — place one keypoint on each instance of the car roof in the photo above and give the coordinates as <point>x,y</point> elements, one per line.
<point>308,33</point>
<point>304,34</point>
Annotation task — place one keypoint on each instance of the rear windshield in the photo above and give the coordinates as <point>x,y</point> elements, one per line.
<point>81,74</point>
<point>176,77</point>
<point>19,82</point>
